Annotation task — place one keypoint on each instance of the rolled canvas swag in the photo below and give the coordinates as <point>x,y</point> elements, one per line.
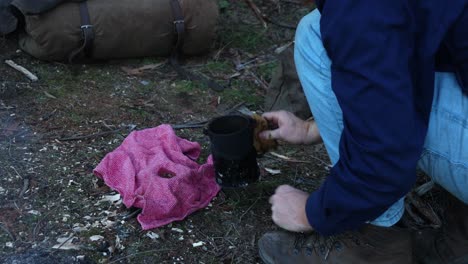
<point>117,29</point>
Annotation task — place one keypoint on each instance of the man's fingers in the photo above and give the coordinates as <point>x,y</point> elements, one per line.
<point>271,115</point>
<point>270,134</point>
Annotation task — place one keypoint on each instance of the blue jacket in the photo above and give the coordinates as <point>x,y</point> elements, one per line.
<point>384,55</point>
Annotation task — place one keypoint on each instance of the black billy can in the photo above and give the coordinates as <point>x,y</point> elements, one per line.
<point>234,155</point>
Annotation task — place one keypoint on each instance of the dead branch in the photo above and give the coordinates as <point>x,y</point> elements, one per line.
<point>257,12</point>
<point>248,209</point>
<point>23,70</point>
<point>259,80</point>
<point>204,122</point>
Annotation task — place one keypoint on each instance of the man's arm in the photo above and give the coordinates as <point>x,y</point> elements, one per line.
<point>370,44</point>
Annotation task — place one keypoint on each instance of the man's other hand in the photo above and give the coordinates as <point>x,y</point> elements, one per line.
<point>288,209</point>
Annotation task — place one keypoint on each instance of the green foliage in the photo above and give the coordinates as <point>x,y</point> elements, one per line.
<point>219,66</point>
<point>223,4</point>
<point>245,37</point>
<point>266,70</point>
<point>185,86</point>
<point>242,91</point>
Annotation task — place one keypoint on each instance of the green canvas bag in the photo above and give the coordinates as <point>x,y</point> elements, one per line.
<point>120,29</point>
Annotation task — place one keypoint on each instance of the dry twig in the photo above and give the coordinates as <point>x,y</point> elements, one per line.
<point>4,228</point>
<point>23,70</point>
<point>257,12</point>
<point>204,122</point>
<point>248,209</point>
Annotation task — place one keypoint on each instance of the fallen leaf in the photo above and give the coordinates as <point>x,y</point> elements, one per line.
<point>272,171</point>
<point>152,235</point>
<point>118,244</point>
<point>178,230</point>
<point>34,212</point>
<point>96,238</point>
<point>111,198</point>
<point>66,243</point>
<point>49,95</point>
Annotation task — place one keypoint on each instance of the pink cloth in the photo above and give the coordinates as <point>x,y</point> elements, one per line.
<point>155,170</point>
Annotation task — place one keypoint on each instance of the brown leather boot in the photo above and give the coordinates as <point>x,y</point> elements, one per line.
<point>371,244</point>
<point>450,245</point>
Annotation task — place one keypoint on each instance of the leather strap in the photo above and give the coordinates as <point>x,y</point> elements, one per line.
<point>179,26</point>
<point>87,34</point>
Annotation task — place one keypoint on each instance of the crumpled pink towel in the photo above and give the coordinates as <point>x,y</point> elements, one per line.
<point>153,169</point>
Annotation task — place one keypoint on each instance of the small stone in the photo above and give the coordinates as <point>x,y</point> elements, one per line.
<point>96,238</point>
<point>178,230</point>
<point>198,244</point>
<point>152,235</point>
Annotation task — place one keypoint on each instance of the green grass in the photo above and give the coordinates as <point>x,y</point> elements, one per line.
<point>219,66</point>
<point>243,91</point>
<point>66,80</point>
<point>245,37</point>
<point>189,87</point>
<point>146,89</point>
<point>266,70</point>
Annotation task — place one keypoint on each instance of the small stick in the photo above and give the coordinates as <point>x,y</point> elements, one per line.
<point>248,209</point>
<point>23,70</point>
<point>279,24</point>
<point>283,47</point>
<point>204,122</point>
<point>132,214</point>
<point>4,228</point>
<point>25,187</point>
<point>260,81</point>
<point>257,12</point>
<point>68,239</point>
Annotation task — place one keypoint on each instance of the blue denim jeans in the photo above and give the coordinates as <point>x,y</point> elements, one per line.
<point>445,154</point>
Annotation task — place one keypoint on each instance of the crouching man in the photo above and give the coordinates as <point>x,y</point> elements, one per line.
<point>387,83</point>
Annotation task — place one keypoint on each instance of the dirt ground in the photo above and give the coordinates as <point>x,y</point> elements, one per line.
<point>55,131</point>
<point>48,193</point>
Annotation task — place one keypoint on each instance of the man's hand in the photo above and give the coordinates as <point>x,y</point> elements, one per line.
<point>288,209</point>
<point>291,129</point>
